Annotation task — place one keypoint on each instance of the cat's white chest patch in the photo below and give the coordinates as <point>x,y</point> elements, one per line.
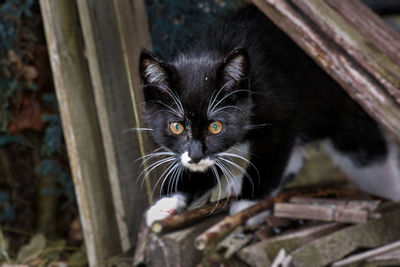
<point>201,166</point>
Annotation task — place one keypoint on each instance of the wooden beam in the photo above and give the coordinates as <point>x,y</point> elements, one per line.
<point>369,74</point>
<point>81,129</point>
<point>113,38</point>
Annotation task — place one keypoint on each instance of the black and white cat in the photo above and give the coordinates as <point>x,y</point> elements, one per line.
<point>245,92</point>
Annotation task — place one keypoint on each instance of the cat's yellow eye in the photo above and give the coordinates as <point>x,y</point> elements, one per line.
<point>215,127</point>
<point>176,128</point>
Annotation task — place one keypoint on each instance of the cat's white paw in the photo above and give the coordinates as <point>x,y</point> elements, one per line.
<point>165,207</point>
<point>244,204</point>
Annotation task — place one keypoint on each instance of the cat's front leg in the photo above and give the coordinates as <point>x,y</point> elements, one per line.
<point>190,187</point>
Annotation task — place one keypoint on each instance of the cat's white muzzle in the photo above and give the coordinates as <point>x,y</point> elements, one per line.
<point>201,166</point>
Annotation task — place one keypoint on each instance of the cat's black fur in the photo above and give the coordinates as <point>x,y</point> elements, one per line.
<point>279,98</point>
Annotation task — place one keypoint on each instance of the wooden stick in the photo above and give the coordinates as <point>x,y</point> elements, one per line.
<point>188,217</point>
<point>227,225</point>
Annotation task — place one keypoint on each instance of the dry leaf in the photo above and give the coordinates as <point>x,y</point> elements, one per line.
<point>28,117</point>
<point>32,250</point>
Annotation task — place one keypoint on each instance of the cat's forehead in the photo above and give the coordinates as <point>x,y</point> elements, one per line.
<point>196,82</point>
<point>195,71</point>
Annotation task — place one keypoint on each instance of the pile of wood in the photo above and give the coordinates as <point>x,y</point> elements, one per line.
<point>309,226</point>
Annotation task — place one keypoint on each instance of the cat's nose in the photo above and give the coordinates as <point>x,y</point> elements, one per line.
<point>196,152</point>
<point>195,160</point>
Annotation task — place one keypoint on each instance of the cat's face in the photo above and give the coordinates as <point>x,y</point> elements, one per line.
<point>197,107</point>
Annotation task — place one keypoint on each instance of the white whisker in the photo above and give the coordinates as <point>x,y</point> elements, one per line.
<point>230,178</point>
<point>137,129</point>
<point>145,173</point>
<point>256,126</point>
<point>226,107</point>
<point>245,173</point>
<point>211,111</point>
<point>214,97</point>
<point>164,176</point>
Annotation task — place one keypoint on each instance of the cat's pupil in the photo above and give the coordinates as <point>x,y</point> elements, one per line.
<point>215,126</point>
<point>177,126</point>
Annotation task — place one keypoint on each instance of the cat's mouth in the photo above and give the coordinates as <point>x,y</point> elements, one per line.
<point>200,166</point>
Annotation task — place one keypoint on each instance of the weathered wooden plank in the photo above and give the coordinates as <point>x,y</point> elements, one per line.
<point>255,255</point>
<point>368,254</point>
<point>335,246</point>
<point>293,240</point>
<point>369,205</point>
<point>371,93</point>
<point>391,258</point>
<point>115,84</point>
<point>326,213</point>
<point>384,37</point>
<point>302,211</point>
<point>81,129</point>
<point>363,48</point>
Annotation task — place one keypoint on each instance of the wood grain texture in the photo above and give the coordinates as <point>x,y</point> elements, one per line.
<point>113,41</point>
<point>364,71</point>
<point>81,129</point>
<point>364,48</point>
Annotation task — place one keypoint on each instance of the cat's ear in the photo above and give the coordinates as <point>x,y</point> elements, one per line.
<point>234,68</point>
<point>153,71</point>
<point>156,76</point>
